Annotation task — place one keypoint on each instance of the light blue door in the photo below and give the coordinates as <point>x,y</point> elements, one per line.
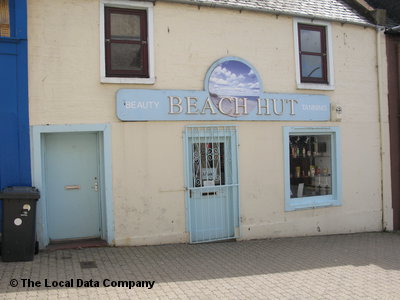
<point>72,185</point>
<point>212,183</point>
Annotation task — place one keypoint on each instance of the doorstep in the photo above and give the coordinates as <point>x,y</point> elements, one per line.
<point>76,244</point>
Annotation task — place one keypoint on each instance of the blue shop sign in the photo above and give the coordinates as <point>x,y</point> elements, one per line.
<point>233,91</point>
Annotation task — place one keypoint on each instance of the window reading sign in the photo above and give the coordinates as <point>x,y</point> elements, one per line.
<point>208,164</point>
<point>312,167</point>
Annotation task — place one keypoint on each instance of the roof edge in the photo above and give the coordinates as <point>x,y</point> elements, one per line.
<point>265,10</point>
<point>376,16</point>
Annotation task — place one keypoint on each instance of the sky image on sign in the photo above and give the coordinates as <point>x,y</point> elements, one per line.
<point>232,91</point>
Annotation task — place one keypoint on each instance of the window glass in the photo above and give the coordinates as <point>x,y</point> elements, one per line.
<point>125,57</point>
<point>208,164</point>
<point>125,26</point>
<point>310,165</point>
<point>4,19</point>
<point>311,66</point>
<point>310,40</point>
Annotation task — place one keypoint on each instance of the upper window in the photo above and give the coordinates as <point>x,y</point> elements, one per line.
<point>4,19</point>
<point>126,42</point>
<point>312,52</point>
<point>314,66</point>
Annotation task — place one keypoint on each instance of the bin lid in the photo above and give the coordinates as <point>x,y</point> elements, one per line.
<point>20,192</point>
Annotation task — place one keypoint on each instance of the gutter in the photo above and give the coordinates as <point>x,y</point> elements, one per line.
<point>395,29</point>
<point>261,9</point>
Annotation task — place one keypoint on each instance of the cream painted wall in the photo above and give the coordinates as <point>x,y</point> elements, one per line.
<point>148,164</point>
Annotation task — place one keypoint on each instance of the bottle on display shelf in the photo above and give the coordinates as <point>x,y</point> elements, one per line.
<point>297,172</point>
<point>312,171</point>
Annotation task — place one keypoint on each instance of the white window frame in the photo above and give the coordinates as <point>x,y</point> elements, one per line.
<point>334,199</point>
<point>329,62</point>
<point>148,6</point>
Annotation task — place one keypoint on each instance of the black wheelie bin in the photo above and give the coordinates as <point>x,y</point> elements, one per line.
<point>19,223</point>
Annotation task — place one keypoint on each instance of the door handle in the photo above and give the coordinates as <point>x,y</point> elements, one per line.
<point>72,187</point>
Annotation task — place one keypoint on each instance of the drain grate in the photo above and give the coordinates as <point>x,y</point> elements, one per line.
<point>88,264</point>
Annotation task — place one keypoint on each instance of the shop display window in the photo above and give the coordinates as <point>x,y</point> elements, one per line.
<point>312,168</point>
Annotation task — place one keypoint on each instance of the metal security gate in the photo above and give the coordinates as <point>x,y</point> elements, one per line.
<point>212,198</point>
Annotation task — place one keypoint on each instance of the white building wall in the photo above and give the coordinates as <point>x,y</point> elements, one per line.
<point>147,157</point>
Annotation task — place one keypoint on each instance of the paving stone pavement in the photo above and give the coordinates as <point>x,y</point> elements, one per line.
<point>354,266</point>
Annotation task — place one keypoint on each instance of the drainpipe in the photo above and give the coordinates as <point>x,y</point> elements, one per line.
<point>386,197</point>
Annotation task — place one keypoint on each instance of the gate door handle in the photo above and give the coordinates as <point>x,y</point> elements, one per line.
<point>95,187</point>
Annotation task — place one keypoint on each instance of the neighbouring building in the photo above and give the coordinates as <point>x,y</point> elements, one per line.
<point>193,121</point>
<point>14,124</point>
<point>391,13</point>
<point>393,53</point>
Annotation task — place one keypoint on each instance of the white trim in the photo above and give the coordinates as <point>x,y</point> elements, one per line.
<point>37,147</point>
<point>331,80</point>
<point>150,40</point>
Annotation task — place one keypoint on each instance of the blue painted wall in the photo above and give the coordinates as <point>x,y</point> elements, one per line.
<point>14,121</point>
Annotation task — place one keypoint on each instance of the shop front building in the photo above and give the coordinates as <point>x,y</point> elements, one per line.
<point>180,121</point>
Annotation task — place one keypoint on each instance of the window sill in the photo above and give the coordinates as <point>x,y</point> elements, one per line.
<point>118,80</point>
<point>302,204</point>
<point>315,86</point>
